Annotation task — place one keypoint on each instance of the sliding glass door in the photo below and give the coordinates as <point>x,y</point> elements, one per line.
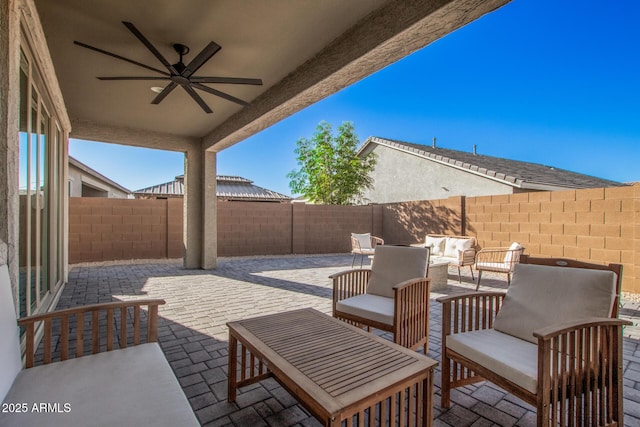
<point>41,200</point>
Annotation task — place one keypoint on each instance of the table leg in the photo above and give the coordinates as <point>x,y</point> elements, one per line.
<point>232,368</point>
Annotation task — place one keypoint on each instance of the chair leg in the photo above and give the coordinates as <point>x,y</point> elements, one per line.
<point>479,277</point>
<point>471,270</point>
<point>459,276</point>
<point>361,260</point>
<point>425,348</point>
<point>445,382</point>
<point>353,260</point>
<point>508,279</point>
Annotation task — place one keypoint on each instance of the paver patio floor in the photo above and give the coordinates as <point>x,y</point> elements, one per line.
<point>193,334</point>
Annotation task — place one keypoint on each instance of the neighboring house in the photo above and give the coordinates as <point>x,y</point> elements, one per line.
<point>228,188</point>
<point>406,171</point>
<point>86,182</point>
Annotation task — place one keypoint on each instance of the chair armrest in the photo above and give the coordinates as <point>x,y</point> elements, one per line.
<point>553,331</point>
<point>349,283</point>
<point>411,282</point>
<point>355,245</point>
<point>470,311</point>
<point>466,257</point>
<point>376,241</point>
<point>452,298</point>
<point>491,255</point>
<point>585,355</point>
<point>411,311</point>
<point>64,316</point>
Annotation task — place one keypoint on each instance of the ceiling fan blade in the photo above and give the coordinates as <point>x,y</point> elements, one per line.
<point>230,80</point>
<point>149,46</point>
<point>205,54</point>
<point>133,78</point>
<point>221,94</point>
<point>167,90</point>
<point>122,58</point>
<point>197,98</point>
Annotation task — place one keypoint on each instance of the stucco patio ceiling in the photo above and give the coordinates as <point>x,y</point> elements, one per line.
<point>303,50</point>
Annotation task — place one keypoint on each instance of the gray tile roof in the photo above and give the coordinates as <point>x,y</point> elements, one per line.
<point>519,174</point>
<point>228,187</point>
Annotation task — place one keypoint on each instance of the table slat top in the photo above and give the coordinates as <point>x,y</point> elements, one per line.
<point>341,362</point>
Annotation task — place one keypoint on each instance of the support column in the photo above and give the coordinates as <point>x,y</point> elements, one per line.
<point>200,209</point>
<point>193,174</point>
<point>209,212</point>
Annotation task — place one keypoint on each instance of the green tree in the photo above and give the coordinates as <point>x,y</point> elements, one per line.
<point>331,171</point>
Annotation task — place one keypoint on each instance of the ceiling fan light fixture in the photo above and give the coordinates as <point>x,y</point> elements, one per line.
<point>178,74</point>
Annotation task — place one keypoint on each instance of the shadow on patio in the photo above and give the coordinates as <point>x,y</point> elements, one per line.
<point>193,334</point>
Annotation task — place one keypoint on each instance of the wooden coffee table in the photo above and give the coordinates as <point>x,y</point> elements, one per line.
<point>341,374</point>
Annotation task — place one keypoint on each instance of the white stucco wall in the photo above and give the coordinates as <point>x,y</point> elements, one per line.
<point>401,177</point>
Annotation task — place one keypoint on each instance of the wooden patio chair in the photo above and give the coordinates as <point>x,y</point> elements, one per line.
<point>392,296</point>
<point>553,340</point>
<point>363,245</point>
<point>499,260</point>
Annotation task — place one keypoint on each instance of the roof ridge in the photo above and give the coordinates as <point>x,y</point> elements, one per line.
<point>513,172</point>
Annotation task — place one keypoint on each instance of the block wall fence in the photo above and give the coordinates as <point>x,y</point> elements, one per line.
<point>598,225</point>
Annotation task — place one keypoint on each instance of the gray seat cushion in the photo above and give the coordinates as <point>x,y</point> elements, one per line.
<point>373,307</point>
<point>395,264</point>
<point>509,357</point>
<point>541,296</point>
<point>133,386</point>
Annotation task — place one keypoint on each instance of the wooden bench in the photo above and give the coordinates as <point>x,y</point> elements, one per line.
<point>129,385</point>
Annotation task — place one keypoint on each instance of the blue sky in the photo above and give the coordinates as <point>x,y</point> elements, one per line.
<point>547,81</point>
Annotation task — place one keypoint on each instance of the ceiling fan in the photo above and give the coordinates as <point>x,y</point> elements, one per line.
<point>179,74</point>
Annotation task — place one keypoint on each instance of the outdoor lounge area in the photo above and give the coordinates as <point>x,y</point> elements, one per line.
<point>193,333</point>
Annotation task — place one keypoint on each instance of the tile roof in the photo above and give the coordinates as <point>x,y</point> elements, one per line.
<point>516,173</point>
<point>228,187</point>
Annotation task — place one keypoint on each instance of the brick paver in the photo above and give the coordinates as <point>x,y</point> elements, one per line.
<point>193,334</point>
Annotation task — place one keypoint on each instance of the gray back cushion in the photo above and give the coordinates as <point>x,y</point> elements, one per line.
<point>541,296</point>
<point>395,264</point>
<point>10,362</point>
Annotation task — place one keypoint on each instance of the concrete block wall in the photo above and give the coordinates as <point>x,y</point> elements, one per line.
<point>254,228</point>
<point>110,229</point>
<point>409,222</point>
<point>327,229</point>
<point>598,225</point>
<point>102,229</point>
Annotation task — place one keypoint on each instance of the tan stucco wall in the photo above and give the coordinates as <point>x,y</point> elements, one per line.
<point>9,101</point>
<point>77,177</point>
<point>400,177</point>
